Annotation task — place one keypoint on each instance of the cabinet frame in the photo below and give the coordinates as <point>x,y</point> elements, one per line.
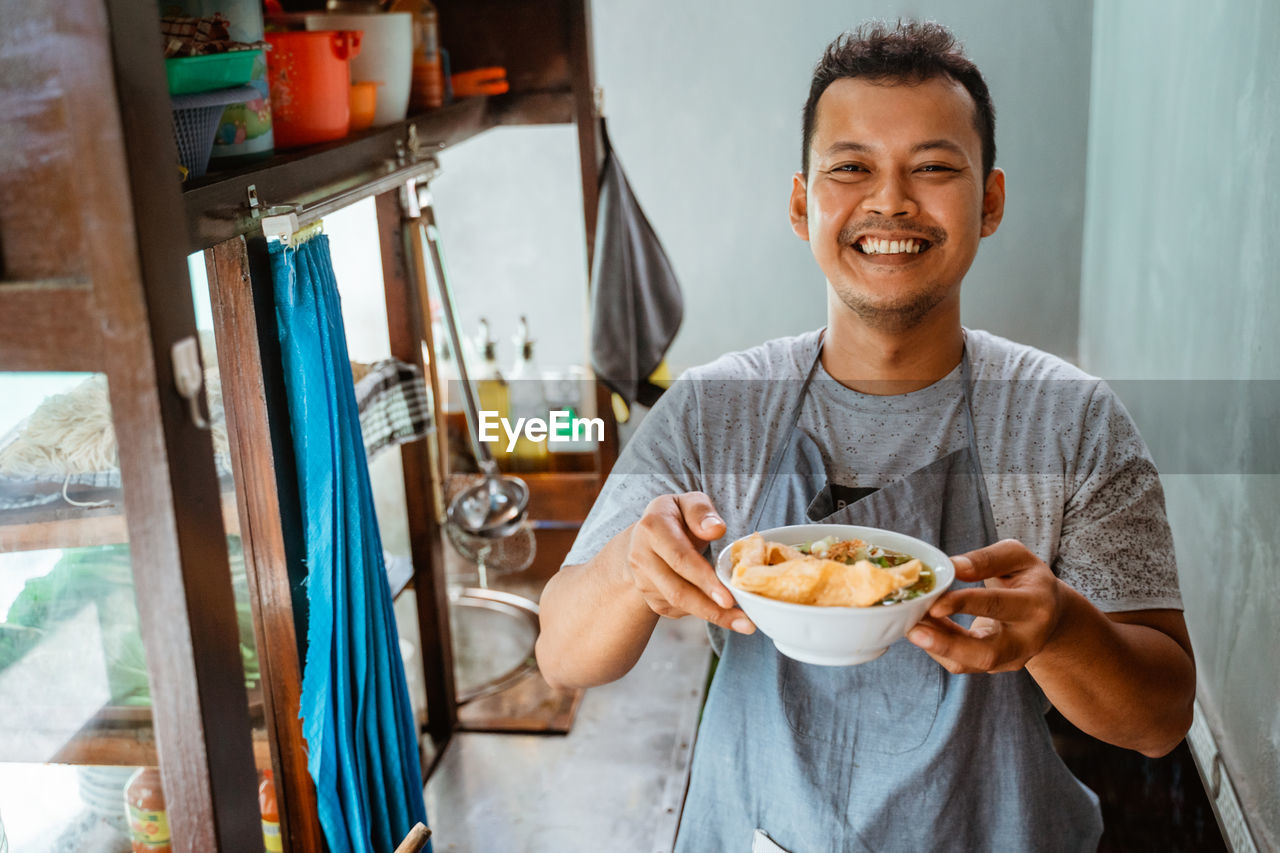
<point>141,224</point>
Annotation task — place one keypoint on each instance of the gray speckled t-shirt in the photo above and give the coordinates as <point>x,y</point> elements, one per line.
<point>1067,472</point>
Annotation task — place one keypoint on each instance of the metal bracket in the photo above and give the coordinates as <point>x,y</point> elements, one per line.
<point>251,196</point>
<point>409,207</point>
<point>188,377</point>
<point>412,144</point>
<point>280,226</point>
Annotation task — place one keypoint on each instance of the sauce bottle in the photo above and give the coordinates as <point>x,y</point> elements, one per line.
<point>144,805</point>
<point>527,400</point>
<point>271,840</point>
<point>491,394</point>
<point>427,90</point>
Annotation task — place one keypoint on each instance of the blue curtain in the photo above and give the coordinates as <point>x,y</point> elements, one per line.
<point>361,736</point>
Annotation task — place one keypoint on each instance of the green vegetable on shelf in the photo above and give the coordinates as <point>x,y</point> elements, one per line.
<point>102,578</point>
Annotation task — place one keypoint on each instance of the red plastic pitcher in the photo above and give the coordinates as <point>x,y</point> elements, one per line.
<point>310,85</point>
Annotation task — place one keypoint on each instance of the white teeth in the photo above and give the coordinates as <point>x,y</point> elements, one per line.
<point>874,246</point>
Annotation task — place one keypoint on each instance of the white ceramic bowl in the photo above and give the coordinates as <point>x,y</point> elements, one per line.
<point>838,636</point>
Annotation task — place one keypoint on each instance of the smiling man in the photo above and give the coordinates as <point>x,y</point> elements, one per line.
<point>895,416</point>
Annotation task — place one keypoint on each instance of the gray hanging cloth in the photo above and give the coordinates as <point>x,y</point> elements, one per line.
<point>636,306</point>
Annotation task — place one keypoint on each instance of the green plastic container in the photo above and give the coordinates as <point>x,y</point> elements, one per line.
<point>189,75</point>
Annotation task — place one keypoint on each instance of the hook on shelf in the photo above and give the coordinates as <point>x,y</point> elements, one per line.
<point>188,377</point>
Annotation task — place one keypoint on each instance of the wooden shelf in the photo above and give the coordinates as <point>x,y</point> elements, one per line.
<point>356,167</point>
<point>561,496</point>
<point>132,746</point>
<point>63,526</point>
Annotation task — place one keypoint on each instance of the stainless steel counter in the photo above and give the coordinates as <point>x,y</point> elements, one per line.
<point>615,782</point>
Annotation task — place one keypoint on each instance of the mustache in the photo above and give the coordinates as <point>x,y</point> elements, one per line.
<point>874,223</point>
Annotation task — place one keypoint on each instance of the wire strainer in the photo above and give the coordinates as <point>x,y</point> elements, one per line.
<point>511,553</point>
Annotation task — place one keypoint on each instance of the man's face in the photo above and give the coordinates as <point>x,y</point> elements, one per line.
<point>895,202</point>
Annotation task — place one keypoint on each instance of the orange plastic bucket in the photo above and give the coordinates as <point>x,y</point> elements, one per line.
<point>310,85</point>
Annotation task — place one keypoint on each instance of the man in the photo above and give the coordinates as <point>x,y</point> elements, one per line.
<point>895,416</point>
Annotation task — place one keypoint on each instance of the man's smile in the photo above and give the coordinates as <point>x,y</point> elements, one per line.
<point>890,249</point>
<point>884,244</point>
<point>890,246</point>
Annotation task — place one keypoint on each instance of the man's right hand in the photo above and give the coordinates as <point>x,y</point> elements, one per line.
<point>665,562</point>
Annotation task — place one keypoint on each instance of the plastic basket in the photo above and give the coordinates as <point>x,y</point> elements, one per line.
<point>195,123</point>
<point>189,75</point>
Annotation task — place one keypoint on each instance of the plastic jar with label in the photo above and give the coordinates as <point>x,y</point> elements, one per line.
<point>148,821</point>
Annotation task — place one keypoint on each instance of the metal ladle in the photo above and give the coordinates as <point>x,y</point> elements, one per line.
<point>495,507</point>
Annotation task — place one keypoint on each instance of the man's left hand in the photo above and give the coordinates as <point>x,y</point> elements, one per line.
<point>1017,611</point>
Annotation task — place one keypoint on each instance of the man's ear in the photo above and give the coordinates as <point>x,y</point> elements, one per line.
<point>993,202</point>
<point>799,207</point>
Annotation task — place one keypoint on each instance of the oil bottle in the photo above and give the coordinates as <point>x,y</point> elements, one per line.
<point>491,392</point>
<point>528,401</point>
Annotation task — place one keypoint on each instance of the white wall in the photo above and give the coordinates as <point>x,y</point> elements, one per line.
<point>703,101</point>
<point>509,207</point>
<point>1179,296</point>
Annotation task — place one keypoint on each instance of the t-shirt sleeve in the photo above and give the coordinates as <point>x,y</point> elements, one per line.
<point>660,459</point>
<point>1116,547</point>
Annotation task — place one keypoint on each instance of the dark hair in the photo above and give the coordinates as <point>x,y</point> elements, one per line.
<point>910,52</point>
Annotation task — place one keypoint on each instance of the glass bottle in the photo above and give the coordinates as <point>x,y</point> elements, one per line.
<point>527,400</point>
<point>427,91</point>
<point>271,840</point>
<point>491,393</point>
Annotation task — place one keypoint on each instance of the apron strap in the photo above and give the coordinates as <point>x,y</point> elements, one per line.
<point>792,420</point>
<point>966,381</point>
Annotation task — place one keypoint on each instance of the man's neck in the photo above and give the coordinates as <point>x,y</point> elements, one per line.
<point>883,362</point>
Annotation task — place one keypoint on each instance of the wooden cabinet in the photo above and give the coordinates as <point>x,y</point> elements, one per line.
<point>95,229</point>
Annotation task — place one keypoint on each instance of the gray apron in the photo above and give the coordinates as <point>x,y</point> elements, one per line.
<point>894,754</point>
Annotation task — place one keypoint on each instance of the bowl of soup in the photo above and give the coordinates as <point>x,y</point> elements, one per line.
<point>834,594</point>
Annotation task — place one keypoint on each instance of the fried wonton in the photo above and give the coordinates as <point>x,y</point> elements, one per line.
<point>756,551</point>
<point>784,573</point>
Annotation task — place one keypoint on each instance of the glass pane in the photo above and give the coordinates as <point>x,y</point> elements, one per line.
<point>73,670</point>
<point>230,514</point>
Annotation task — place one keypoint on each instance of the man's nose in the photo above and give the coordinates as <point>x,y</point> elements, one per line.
<point>890,196</point>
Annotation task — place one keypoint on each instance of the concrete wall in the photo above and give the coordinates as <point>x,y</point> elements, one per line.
<point>1179,283</point>
<point>703,101</point>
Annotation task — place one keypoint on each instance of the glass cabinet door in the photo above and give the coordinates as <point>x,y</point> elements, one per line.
<point>76,732</point>
<point>120,646</point>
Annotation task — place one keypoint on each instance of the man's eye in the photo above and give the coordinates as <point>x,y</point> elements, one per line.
<point>849,167</point>
<point>936,167</point>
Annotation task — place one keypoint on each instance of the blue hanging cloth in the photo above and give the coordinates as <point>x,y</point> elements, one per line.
<point>357,718</point>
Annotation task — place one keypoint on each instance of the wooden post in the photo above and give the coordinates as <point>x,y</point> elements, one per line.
<point>186,607</point>
<point>591,158</point>
<point>253,462</point>
<point>404,281</point>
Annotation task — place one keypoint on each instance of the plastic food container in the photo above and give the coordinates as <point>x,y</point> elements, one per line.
<point>310,85</point>
<point>386,57</point>
<point>191,74</point>
<point>364,105</point>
